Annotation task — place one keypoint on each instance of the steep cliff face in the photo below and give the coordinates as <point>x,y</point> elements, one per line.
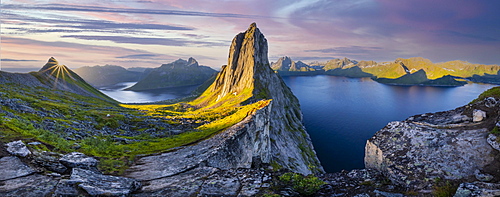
<point>452,145</point>
<point>249,78</point>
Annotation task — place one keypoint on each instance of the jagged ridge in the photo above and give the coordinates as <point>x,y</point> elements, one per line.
<point>176,74</point>
<point>248,78</point>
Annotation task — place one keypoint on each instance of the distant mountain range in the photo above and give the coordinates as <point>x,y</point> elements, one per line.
<point>107,75</point>
<point>176,74</point>
<point>411,71</point>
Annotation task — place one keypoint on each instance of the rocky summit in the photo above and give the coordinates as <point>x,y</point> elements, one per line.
<point>248,77</point>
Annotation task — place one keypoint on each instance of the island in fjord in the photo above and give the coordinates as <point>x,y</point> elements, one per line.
<point>411,71</point>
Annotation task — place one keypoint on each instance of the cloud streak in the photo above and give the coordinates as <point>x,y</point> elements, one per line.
<point>80,8</point>
<point>144,41</point>
<point>17,60</point>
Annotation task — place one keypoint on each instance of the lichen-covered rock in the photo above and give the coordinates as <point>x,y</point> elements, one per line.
<point>12,167</point>
<point>357,182</point>
<point>222,183</point>
<point>49,160</point>
<point>184,184</point>
<point>411,153</point>
<point>477,189</point>
<point>32,185</point>
<point>103,185</point>
<point>18,148</point>
<point>79,160</point>
<point>66,187</point>
<point>416,151</point>
<point>492,140</point>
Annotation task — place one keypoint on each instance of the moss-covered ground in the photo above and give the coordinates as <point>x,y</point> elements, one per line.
<point>115,133</point>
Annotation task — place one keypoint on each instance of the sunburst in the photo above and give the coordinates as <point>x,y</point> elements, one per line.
<point>59,72</point>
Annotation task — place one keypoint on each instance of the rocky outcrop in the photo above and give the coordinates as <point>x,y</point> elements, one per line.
<point>12,167</point>
<point>35,175</point>
<point>18,148</point>
<point>248,78</point>
<point>236,147</point>
<point>476,189</point>
<point>79,160</point>
<point>176,74</point>
<point>450,145</point>
<point>97,184</point>
<point>233,161</point>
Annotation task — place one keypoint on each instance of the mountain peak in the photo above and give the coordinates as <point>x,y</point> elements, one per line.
<point>247,58</point>
<point>49,65</point>
<point>192,62</point>
<point>52,60</point>
<point>248,78</point>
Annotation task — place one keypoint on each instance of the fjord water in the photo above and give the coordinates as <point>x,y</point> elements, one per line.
<point>118,93</point>
<point>340,113</point>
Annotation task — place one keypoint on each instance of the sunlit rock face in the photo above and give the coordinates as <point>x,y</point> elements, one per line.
<point>249,74</point>
<point>272,134</point>
<point>449,145</point>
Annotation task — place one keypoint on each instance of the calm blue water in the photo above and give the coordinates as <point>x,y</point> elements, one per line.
<point>341,113</point>
<point>118,93</point>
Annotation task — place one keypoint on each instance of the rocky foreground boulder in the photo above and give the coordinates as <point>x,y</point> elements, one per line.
<point>455,145</point>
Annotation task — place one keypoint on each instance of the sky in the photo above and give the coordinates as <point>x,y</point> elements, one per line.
<point>148,33</point>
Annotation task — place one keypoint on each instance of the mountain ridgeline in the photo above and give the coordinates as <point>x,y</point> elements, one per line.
<point>57,77</point>
<point>176,74</point>
<point>100,76</point>
<point>411,71</point>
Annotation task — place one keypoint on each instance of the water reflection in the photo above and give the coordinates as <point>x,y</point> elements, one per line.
<point>341,113</point>
<point>119,93</point>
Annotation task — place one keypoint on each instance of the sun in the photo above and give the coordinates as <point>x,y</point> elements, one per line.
<point>60,72</point>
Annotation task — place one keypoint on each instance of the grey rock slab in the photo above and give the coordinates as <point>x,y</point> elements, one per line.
<point>66,187</point>
<point>478,189</point>
<point>49,160</point>
<point>78,160</point>
<point>222,183</point>
<point>251,181</point>
<point>32,185</point>
<point>410,153</point>
<point>12,167</point>
<point>99,185</point>
<point>183,184</point>
<point>18,148</point>
<point>232,148</point>
<point>492,140</point>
